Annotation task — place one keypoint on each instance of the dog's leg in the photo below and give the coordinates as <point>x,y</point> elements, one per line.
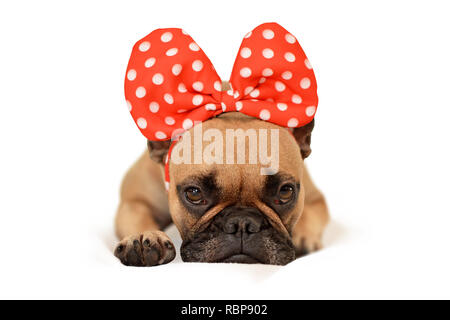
<point>141,216</point>
<point>307,233</point>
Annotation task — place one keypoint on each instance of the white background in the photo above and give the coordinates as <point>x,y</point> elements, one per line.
<point>380,147</point>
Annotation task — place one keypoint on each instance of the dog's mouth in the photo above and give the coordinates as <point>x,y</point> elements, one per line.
<point>264,249</point>
<point>240,258</point>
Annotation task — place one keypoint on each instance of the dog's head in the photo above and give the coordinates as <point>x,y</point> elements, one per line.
<point>232,210</point>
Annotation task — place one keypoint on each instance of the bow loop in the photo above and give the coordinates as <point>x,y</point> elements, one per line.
<point>274,77</point>
<point>170,84</point>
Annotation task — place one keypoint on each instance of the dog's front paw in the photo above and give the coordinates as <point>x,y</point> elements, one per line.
<point>306,243</point>
<point>147,249</point>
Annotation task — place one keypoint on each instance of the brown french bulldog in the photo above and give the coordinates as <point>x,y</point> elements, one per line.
<point>224,212</point>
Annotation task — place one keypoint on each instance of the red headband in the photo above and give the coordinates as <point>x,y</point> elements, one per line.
<point>171,83</point>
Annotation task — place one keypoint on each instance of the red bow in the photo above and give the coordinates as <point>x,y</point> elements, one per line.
<point>171,83</point>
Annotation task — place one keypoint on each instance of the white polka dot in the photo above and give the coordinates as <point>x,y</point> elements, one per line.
<point>130,107</point>
<point>238,106</point>
<point>169,121</point>
<point>149,62</point>
<point>262,80</point>
<point>236,94</point>
<point>140,92</point>
<point>296,99</point>
<point>264,114</point>
<point>289,38</point>
<point>293,122</point>
<point>158,79</point>
<point>168,98</point>
<point>182,88</point>
<point>268,34</point>
<point>144,46</point>
<point>142,123</point>
<point>287,75</point>
<point>197,65</point>
<point>171,52</point>
<point>305,83</point>
<point>248,90</point>
<point>210,106</point>
<point>245,72</point>
<point>218,86</point>
<point>308,64</point>
<point>245,53</point>
<point>280,86</point>
<point>230,92</point>
<point>160,135</point>
<point>194,47</point>
<point>198,86</point>
<point>267,53</point>
<point>267,72</point>
<point>197,100</point>
<point>282,106</point>
<point>154,107</point>
<point>310,111</point>
<point>187,124</point>
<point>254,93</point>
<point>166,37</point>
<point>248,35</point>
<point>176,69</point>
<point>131,75</point>
<point>224,107</point>
<point>289,56</point>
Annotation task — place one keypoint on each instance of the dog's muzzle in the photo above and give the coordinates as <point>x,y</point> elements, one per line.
<point>242,235</point>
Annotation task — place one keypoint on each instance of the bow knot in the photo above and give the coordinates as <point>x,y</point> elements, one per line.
<point>229,98</point>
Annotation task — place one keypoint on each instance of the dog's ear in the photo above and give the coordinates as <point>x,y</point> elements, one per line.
<point>158,150</point>
<point>303,137</point>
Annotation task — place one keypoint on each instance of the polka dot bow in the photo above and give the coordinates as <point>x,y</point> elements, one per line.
<point>170,82</point>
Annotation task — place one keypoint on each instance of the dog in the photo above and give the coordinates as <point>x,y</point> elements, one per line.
<point>233,203</point>
<point>243,220</point>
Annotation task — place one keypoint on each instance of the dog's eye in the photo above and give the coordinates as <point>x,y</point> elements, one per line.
<point>194,195</point>
<point>286,193</point>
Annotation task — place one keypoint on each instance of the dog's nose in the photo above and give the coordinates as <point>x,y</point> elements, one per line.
<point>240,223</point>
